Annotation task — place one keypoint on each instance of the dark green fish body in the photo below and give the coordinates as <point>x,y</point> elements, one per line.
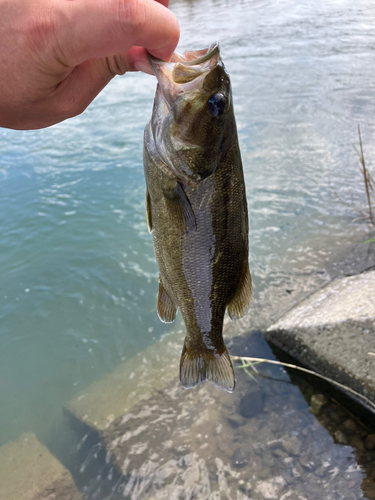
<point>197,210</point>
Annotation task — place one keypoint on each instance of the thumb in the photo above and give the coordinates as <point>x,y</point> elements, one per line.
<point>102,28</point>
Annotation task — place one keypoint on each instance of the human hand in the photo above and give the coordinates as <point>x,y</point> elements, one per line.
<point>57,55</point>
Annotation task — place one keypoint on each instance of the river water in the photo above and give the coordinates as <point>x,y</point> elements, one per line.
<point>78,275</point>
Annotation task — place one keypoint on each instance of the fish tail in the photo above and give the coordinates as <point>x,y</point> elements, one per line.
<point>214,366</point>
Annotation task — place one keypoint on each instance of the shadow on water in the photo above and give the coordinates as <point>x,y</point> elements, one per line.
<point>281,435</point>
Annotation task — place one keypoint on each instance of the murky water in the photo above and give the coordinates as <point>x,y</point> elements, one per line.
<point>78,275</point>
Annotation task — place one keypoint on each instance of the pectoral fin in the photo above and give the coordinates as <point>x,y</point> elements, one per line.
<point>148,211</point>
<point>166,307</point>
<point>180,209</point>
<point>240,303</point>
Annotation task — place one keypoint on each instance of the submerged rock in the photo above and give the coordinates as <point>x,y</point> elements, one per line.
<point>292,446</point>
<point>251,404</point>
<point>370,442</point>
<point>349,426</point>
<point>317,402</point>
<point>340,437</point>
<point>241,457</point>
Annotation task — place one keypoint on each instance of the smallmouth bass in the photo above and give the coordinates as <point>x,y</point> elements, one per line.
<point>197,209</point>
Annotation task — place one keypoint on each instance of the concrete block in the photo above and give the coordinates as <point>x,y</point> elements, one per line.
<point>333,331</point>
<point>135,380</point>
<point>28,471</point>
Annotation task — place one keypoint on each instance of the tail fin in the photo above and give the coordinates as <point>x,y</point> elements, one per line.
<point>216,367</point>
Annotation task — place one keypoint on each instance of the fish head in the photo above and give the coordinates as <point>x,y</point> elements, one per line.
<point>193,113</point>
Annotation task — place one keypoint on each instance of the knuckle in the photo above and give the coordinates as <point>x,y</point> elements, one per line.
<point>115,65</point>
<point>132,15</point>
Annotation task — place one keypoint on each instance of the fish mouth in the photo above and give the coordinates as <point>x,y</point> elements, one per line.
<point>189,58</point>
<point>184,72</point>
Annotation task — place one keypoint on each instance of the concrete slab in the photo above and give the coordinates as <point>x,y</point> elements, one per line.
<point>333,332</point>
<point>133,381</point>
<point>28,471</point>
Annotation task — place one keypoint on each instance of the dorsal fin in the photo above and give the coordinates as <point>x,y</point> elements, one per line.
<point>240,303</point>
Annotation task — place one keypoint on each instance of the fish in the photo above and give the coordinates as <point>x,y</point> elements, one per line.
<point>196,209</point>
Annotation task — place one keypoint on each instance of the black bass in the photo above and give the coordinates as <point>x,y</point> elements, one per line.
<point>197,209</point>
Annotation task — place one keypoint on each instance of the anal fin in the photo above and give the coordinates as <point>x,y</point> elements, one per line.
<point>240,303</point>
<point>214,366</point>
<point>167,309</point>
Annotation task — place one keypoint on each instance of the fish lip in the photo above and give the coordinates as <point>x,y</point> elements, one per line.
<point>164,70</point>
<point>210,52</point>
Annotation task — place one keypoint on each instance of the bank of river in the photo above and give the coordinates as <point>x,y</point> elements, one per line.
<point>333,330</point>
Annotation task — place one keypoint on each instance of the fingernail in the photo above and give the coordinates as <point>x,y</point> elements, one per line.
<point>143,66</point>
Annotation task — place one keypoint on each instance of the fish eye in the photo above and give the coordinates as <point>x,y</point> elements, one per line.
<point>216,104</point>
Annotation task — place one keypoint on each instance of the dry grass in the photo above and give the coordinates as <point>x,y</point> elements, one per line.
<point>248,362</point>
<point>367,179</point>
<point>368,213</point>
